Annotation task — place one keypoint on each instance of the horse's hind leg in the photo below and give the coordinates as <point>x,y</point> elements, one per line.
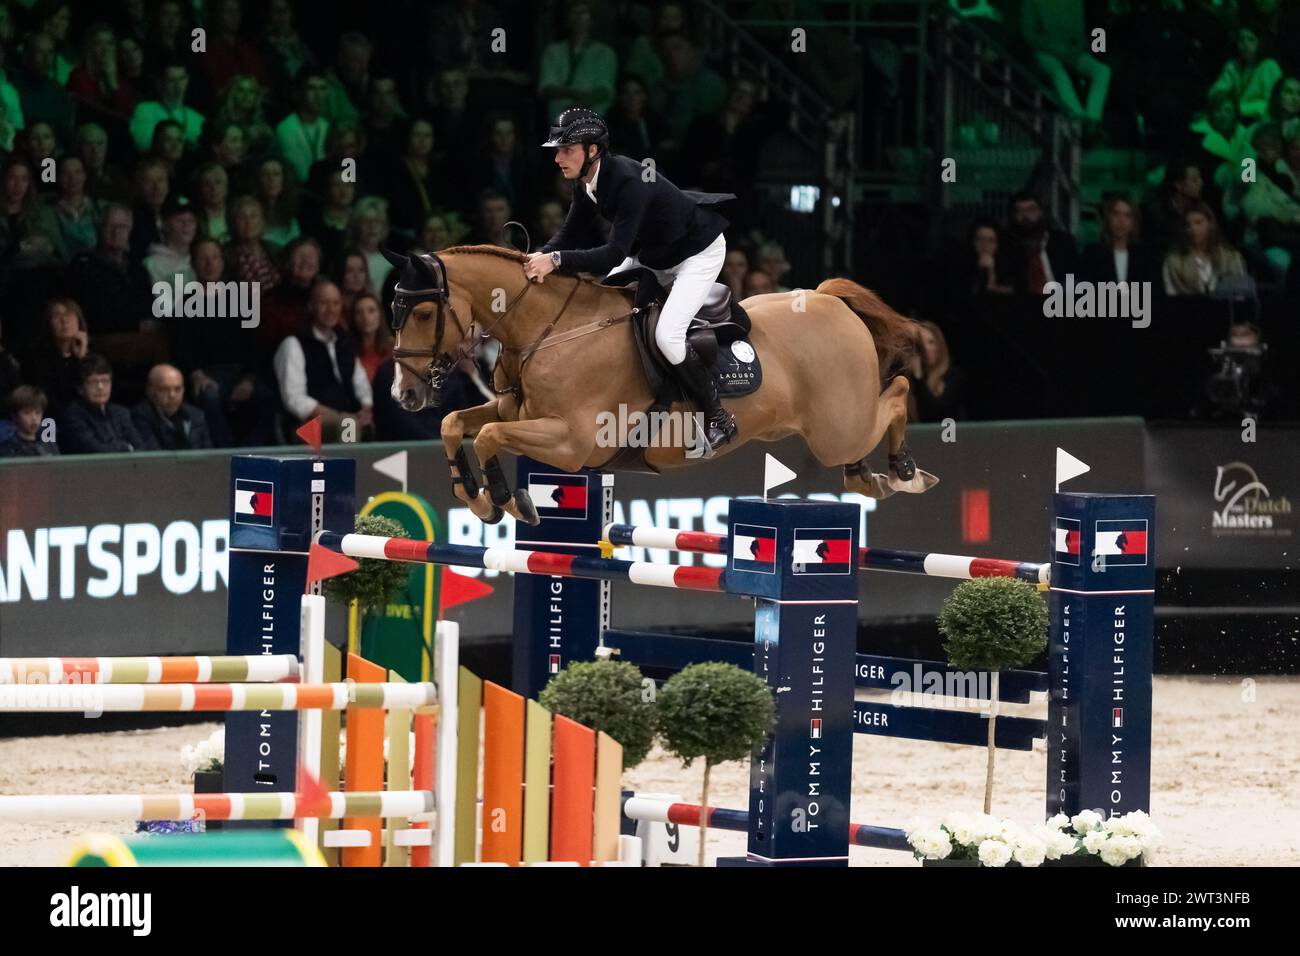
<point>903,473</point>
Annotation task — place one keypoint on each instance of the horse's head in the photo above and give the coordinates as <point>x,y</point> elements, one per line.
<point>428,326</point>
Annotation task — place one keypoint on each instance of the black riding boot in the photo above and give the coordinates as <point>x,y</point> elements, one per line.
<point>719,424</point>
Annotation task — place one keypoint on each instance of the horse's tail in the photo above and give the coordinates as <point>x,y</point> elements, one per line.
<point>896,337</point>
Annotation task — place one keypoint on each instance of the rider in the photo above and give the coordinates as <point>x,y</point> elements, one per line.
<point>672,232</point>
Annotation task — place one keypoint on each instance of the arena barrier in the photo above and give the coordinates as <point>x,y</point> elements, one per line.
<point>273,848</point>
<point>799,560</point>
<point>147,670</point>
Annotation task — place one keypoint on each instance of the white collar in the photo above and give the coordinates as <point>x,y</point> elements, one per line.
<point>591,186</point>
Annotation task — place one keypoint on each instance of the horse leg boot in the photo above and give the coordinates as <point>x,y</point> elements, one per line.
<point>464,483</point>
<point>719,424</point>
<point>903,473</point>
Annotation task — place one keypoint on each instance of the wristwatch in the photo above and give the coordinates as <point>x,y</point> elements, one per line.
<point>555,259</point>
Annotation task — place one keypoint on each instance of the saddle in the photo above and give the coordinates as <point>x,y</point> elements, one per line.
<point>719,333</point>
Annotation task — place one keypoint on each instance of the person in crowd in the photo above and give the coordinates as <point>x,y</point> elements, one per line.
<point>980,272</point>
<point>112,284</point>
<point>938,387</point>
<point>415,180</point>
<point>369,231</point>
<point>164,420</point>
<point>130,69</point>
<point>1182,187</point>
<point>224,143</point>
<point>771,259</point>
<point>41,95</point>
<point>318,371</point>
<point>1035,254</point>
<point>1284,105</point>
<point>734,269</point>
<point>29,231</point>
<point>301,135</point>
<point>229,54</point>
<point>92,423</point>
<point>348,80</point>
<point>548,218</point>
<point>501,164</point>
<point>222,362</point>
<point>373,338</point>
<point>328,221</point>
<point>1271,204</point>
<point>213,201</point>
<point>242,103</point>
<point>169,105</point>
<point>285,309</point>
<point>104,180</point>
<point>758,282</point>
<point>170,257</point>
<point>1203,260</point>
<point>282,47</point>
<point>344,152</point>
<point>721,148</point>
<point>636,127</point>
<point>11,106</point>
<point>689,88</point>
<point>43,152</point>
<point>460,34</point>
<point>643,56</point>
<point>1120,256</point>
<point>249,256</point>
<point>96,81</point>
<point>55,359</point>
<point>352,275</point>
<point>578,70</point>
<point>1249,75</point>
<point>27,406</point>
<point>1224,139</point>
<point>169,40</point>
<point>385,118</point>
<point>168,146</point>
<point>435,234</point>
<point>279,197</point>
<point>152,187</point>
<point>1057,33</point>
<point>53,18</point>
<point>77,213</point>
<point>490,218</point>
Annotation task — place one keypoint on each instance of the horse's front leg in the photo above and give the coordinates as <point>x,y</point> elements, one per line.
<point>464,483</point>
<point>552,440</point>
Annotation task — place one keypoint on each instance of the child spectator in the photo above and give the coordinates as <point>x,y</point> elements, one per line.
<point>27,413</point>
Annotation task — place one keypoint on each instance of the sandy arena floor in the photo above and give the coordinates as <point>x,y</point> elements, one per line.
<point>1223,778</point>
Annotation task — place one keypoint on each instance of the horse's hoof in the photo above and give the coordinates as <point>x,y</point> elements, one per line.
<point>919,482</point>
<point>903,465</point>
<point>878,486</point>
<point>495,516</point>
<point>524,510</point>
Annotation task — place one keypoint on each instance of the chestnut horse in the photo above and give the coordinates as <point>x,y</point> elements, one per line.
<point>568,355</point>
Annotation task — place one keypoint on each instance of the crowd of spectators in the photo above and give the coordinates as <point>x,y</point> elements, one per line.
<point>286,144</point>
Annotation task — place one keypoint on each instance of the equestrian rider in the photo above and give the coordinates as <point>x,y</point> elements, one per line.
<point>672,232</point>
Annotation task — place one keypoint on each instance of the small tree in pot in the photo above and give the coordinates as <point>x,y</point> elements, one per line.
<point>610,696</point>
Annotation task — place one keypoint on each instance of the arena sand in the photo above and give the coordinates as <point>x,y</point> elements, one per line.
<point>1225,763</point>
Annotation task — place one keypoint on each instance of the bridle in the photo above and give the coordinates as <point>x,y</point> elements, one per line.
<point>441,363</point>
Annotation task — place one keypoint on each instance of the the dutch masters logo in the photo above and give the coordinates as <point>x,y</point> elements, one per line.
<point>753,548</point>
<point>1068,533</point>
<point>1121,542</point>
<point>559,496</point>
<point>1246,507</point>
<point>823,551</point>
<point>254,502</point>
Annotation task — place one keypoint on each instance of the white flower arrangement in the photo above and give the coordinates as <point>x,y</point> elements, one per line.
<point>993,842</point>
<point>209,754</point>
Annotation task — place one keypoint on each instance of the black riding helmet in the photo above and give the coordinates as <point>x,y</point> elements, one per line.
<point>580,125</point>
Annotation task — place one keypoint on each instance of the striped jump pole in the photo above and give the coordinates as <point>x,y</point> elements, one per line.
<point>215,806</point>
<point>658,810</point>
<point>97,698</point>
<point>930,563</point>
<point>524,562</point>
<point>246,668</point>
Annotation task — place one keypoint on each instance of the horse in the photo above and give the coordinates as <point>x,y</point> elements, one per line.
<point>567,355</point>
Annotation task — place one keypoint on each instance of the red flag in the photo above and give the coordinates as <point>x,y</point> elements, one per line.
<point>312,798</point>
<point>459,589</point>
<point>310,433</point>
<point>323,563</point>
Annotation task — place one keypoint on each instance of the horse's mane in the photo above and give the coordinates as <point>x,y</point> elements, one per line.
<point>514,255</point>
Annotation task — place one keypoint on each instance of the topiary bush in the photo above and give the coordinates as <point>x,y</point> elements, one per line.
<point>375,581</point>
<point>993,624</point>
<point>612,696</point>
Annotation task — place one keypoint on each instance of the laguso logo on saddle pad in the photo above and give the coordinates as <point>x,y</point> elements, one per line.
<point>753,548</point>
<point>559,496</point>
<point>823,551</point>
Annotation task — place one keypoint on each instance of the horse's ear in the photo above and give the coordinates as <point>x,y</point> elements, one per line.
<point>422,268</point>
<point>395,258</point>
